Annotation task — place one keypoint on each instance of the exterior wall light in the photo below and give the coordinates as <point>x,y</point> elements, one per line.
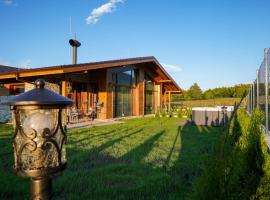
<point>39,138</point>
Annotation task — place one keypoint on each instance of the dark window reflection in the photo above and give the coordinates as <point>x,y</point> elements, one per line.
<point>149,96</point>
<point>123,80</point>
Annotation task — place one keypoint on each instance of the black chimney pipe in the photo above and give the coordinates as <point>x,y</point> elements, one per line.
<point>75,44</point>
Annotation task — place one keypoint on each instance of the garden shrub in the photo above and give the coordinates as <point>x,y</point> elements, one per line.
<point>263,190</point>
<point>184,112</point>
<point>163,113</point>
<point>169,114</point>
<point>238,168</point>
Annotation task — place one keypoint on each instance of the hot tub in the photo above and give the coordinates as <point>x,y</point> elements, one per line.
<point>212,116</point>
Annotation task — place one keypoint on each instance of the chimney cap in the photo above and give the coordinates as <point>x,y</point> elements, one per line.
<point>74,43</point>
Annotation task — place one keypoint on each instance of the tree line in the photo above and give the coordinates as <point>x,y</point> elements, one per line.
<point>196,93</point>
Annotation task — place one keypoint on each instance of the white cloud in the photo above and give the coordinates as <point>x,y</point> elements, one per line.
<point>8,2</point>
<point>171,68</point>
<point>105,8</point>
<point>25,63</point>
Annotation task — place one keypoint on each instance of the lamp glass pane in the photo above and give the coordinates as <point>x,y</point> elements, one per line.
<point>39,140</point>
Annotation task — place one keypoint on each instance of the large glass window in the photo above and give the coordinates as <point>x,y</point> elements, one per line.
<point>123,80</point>
<point>123,101</point>
<point>149,96</point>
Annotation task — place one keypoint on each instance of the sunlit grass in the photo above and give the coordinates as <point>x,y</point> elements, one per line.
<point>211,102</point>
<point>147,158</point>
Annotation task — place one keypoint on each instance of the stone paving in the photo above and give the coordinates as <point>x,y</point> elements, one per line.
<point>96,122</point>
<point>102,122</point>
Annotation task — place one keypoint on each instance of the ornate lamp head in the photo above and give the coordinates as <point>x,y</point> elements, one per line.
<point>39,138</point>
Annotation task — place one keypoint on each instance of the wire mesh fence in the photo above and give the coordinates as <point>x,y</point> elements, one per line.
<point>258,95</point>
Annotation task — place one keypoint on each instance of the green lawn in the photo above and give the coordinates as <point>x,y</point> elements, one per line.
<point>148,158</point>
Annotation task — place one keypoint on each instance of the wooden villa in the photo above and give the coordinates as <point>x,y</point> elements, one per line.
<point>115,88</point>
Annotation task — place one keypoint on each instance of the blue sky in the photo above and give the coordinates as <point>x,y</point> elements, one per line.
<point>211,42</point>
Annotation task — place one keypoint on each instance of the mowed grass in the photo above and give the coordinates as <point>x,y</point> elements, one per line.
<point>211,102</point>
<point>11,186</point>
<point>147,158</point>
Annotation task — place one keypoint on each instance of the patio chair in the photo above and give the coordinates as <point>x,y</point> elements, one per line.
<point>73,115</point>
<point>91,115</point>
<point>80,113</point>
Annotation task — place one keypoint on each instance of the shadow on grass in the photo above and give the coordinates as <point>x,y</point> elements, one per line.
<point>165,166</point>
<point>90,136</point>
<point>101,176</point>
<point>138,153</point>
<point>86,157</point>
<point>235,170</point>
<point>94,174</point>
<point>197,146</point>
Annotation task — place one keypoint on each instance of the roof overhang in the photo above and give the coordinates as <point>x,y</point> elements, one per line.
<point>166,79</point>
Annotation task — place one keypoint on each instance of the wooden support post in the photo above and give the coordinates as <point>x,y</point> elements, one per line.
<point>165,99</point>
<point>64,90</point>
<point>160,98</point>
<point>169,101</point>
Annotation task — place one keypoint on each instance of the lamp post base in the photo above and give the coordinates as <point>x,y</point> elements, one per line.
<point>41,188</point>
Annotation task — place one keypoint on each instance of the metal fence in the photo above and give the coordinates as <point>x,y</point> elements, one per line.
<point>258,94</point>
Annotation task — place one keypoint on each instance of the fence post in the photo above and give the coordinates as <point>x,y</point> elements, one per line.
<point>251,98</point>
<point>266,88</point>
<point>254,94</point>
<point>248,103</point>
<point>257,81</point>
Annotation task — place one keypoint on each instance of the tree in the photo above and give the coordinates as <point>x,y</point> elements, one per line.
<point>209,94</point>
<point>194,92</point>
<point>240,90</point>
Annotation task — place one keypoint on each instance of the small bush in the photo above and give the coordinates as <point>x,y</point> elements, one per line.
<point>237,167</point>
<point>163,113</point>
<point>169,114</point>
<point>184,112</point>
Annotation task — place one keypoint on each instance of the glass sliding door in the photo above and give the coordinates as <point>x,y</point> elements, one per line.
<point>123,80</point>
<point>123,101</point>
<point>149,97</point>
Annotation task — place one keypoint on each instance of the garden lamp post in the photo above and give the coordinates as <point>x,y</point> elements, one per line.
<point>39,138</point>
<point>223,110</point>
